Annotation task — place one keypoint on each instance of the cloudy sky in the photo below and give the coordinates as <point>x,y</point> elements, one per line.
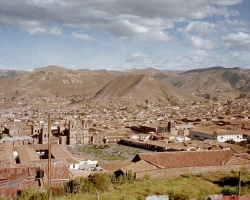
<point>124,34</point>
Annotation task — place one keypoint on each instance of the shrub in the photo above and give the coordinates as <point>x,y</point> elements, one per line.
<point>88,186</point>
<point>178,196</point>
<point>80,185</point>
<point>187,175</point>
<point>244,171</point>
<point>199,175</point>
<point>232,181</point>
<point>74,185</point>
<point>203,194</point>
<point>140,197</point>
<point>120,179</point>
<point>101,181</point>
<point>57,191</point>
<point>229,190</point>
<point>146,177</point>
<point>30,194</point>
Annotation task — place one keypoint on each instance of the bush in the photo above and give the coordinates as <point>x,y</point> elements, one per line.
<point>140,197</point>
<point>244,171</point>
<point>101,181</point>
<point>80,185</point>
<point>96,182</point>
<point>74,185</point>
<point>203,194</point>
<point>178,196</point>
<point>229,190</point>
<point>232,181</point>
<point>187,175</point>
<point>146,177</point>
<point>57,191</point>
<point>199,175</point>
<point>123,178</point>
<point>88,186</point>
<point>30,194</point>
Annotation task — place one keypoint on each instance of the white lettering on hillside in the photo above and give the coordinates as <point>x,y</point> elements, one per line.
<point>72,79</point>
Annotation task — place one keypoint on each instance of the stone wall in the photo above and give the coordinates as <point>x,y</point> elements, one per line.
<point>175,172</point>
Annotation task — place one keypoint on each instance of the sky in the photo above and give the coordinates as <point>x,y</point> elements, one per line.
<point>124,34</point>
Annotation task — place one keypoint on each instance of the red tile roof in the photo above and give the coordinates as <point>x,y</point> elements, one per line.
<point>241,159</point>
<point>113,165</point>
<point>186,159</point>
<point>139,167</point>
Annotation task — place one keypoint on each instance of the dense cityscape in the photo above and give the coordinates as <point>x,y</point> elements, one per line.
<point>160,142</point>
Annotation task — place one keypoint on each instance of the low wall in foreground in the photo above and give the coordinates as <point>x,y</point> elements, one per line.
<point>175,172</point>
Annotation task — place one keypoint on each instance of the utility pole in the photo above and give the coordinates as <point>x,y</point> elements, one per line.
<point>49,159</point>
<point>239,186</point>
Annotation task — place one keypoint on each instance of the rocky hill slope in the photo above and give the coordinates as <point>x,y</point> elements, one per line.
<point>215,79</point>
<point>142,88</point>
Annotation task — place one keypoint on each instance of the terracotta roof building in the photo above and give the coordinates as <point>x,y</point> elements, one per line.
<point>186,158</point>
<point>172,164</point>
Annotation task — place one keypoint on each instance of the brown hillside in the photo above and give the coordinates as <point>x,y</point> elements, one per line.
<point>139,88</point>
<point>136,85</point>
<point>57,81</point>
<point>217,79</point>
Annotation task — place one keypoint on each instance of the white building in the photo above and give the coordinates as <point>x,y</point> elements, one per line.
<point>220,135</point>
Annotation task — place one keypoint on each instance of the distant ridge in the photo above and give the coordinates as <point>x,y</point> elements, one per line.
<point>51,68</point>
<point>135,85</point>
<point>208,69</point>
<point>10,73</point>
<point>209,80</point>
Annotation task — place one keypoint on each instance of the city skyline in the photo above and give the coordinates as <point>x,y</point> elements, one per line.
<point>118,35</point>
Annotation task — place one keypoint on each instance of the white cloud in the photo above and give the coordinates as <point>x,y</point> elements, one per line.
<point>124,18</point>
<point>236,22</point>
<point>157,35</point>
<point>238,40</point>
<point>235,56</point>
<point>174,58</point>
<point>33,27</point>
<point>138,57</point>
<point>82,36</point>
<point>202,28</point>
<point>202,43</point>
<point>53,30</point>
<point>199,56</point>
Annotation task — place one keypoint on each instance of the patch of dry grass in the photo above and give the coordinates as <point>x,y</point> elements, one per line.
<point>193,187</point>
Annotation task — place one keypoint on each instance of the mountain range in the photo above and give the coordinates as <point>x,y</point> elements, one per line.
<point>134,85</point>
